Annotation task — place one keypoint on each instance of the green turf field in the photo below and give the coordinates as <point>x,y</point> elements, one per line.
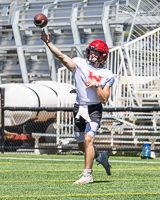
<point>52,176</point>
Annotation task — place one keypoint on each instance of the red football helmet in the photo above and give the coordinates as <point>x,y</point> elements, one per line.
<point>100,46</point>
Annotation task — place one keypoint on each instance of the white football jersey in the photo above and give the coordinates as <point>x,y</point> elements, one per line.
<point>83,72</point>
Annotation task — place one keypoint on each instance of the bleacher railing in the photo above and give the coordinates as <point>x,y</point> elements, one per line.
<point>143,56</point>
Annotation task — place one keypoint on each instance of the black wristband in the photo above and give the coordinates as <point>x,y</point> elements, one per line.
<point>97,86</point>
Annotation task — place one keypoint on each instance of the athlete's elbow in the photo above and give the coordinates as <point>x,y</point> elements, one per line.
<point>104,101</point>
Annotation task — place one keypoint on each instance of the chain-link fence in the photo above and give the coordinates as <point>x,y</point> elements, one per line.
<point>50,130</point>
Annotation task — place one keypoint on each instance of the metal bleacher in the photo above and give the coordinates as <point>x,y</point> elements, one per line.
<point>7,56</point>
<point>37,62</point>
<point>73,24</point>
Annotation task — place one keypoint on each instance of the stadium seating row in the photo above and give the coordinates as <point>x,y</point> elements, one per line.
<point>23,56</point>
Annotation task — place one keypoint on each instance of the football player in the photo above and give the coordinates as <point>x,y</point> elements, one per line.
<point>92,85</point>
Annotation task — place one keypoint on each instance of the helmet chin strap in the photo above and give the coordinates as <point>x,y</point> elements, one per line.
<point>93,61</point>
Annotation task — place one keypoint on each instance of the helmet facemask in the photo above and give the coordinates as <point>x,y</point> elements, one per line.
<point>88,55</point>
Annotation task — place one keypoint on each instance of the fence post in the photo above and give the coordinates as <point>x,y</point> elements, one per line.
<point>2,120</point>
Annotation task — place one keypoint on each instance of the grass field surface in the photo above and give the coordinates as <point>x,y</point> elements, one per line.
<point>52,176</point>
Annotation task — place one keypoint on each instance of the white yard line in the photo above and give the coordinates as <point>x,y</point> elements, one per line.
<point>132,161</point>
<point>72,160</point>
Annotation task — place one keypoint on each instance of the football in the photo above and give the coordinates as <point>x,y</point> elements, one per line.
<point>40,20</point>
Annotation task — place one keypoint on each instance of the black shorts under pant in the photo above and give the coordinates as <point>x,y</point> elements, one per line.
<point>95,114</point>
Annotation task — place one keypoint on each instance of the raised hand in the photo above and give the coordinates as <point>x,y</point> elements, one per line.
<point>45,37</point>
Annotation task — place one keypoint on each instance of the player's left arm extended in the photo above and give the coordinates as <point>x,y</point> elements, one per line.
<point>103,94</point>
